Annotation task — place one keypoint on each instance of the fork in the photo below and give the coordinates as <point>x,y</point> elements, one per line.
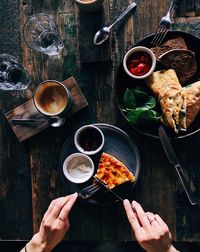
<point>163,27</point>
<point>89,191</point>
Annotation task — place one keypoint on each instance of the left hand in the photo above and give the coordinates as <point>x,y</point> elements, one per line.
<point>54,225</point>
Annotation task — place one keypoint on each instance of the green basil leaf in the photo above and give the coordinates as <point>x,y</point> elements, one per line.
<point>140,114</point>
<point>143,100</point>
<point>133,116</point>
<point>129,99</point>
<point>149,115</point>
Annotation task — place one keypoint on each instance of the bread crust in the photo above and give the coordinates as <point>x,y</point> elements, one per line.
<point>182,61</point>
<point>170,44</point>
<point>192,93</point>
<point>113,172</point>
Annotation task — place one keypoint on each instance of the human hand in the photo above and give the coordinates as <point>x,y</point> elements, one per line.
<point>150,230</point>
<point>54,225</point>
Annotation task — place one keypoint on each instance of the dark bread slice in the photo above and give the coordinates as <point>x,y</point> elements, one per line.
<point>173,43</point>
<point>182,61</point>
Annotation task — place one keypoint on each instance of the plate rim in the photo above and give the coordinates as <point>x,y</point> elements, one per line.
<point>178,137</point>
<point>129,141</point>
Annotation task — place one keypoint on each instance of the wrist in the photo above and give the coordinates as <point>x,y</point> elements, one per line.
<point>172,249</point>
<point>36,244</point>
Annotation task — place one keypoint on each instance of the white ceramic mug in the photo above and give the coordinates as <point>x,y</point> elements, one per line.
<point>52,98</point>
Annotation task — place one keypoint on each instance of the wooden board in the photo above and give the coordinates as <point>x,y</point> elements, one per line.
<point>28,110</point>
<point>87,25</point>
<point>37,161</point>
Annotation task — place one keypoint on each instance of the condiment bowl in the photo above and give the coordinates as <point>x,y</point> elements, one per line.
<point>139,62</point>
<point>78,168</point>
<point>89,5</point>
<point>89,139</point>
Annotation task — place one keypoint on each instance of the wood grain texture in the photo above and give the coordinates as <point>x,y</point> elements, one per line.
<point>32,169</point>
<point>15,189</point>
<point>28,110</point>
<point>87,25</point>
<point>92,246</point>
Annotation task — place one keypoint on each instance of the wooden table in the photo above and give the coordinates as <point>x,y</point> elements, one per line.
<point>29,174</point>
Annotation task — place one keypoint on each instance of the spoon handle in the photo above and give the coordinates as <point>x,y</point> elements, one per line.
<point>18,121</point>
<point>130,7</point>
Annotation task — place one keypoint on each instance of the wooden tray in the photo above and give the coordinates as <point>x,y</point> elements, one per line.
<point>28,110</point>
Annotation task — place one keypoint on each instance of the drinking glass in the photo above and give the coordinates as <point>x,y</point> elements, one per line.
<point>40,33</point>
<point>13,76</point>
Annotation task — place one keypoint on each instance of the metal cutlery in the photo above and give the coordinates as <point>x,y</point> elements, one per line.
<point>174,160</point>
<point>103,34</point>
<point>88,191</point>
<point>54,121</point>
<point>163,27</point>
<point>110,190</point>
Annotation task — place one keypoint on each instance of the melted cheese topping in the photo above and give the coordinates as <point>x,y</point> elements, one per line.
<point>112,172</point>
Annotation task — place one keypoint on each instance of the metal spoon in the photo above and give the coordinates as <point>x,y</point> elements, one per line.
<point>103,34</point>
<point>54,121</point>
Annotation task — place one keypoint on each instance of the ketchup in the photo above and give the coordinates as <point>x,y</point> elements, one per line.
<point>139,63</point>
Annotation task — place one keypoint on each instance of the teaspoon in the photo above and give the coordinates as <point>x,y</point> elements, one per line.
<point>54,121</point>
<point>103,34</point>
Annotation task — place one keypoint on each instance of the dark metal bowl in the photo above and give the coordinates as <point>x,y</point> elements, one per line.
<point>123,81</point>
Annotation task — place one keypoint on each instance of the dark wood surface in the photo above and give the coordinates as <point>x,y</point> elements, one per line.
<point>29,174</point>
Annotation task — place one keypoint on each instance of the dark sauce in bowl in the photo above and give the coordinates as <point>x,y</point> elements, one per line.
<point>90,139</point>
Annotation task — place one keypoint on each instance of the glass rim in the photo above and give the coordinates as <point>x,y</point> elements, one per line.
<point>29,19</point>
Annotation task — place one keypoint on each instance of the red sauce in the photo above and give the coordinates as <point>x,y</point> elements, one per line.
<point>139,63</point>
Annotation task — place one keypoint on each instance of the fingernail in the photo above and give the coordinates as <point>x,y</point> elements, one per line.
<point>134,202</point>
<point>75,194</point>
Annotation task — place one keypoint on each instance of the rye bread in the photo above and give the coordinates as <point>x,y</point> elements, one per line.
<point>182,61</point>
<point>170,44</point>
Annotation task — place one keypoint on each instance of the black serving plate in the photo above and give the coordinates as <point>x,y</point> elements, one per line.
<point>118,144</point>
<point>123,81</point>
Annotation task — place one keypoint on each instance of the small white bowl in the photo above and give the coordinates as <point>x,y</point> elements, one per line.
<point>139,49</point>
<point>86,136</point>
<point>78,168</point>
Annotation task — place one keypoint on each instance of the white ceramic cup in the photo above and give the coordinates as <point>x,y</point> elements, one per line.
<point>52,98</point>
<point>94,134</point>
<point>139,49</point>
<point>73,168</point>
<point>89,5</point>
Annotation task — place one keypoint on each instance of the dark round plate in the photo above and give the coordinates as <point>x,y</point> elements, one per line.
<point>118,144</point>
<point>123,81</point>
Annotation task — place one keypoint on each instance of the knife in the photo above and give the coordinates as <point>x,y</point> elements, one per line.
<point>174,160</point>
<point>111,191</point>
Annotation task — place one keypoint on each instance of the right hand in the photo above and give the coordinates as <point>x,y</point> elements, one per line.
<point>150,230</point>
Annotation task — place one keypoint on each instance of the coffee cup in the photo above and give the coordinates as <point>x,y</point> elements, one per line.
<point>52,98</point>
<point>89,5</point>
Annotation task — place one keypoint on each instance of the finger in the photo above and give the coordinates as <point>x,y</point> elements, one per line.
<point>67,207</point>
<point>51,206</point>
<point>132,218</point>
<point>150,216</point>
<point>156,229</point>
<point>141,215</point>
<point>58,207</point>
<point>162,223</point>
